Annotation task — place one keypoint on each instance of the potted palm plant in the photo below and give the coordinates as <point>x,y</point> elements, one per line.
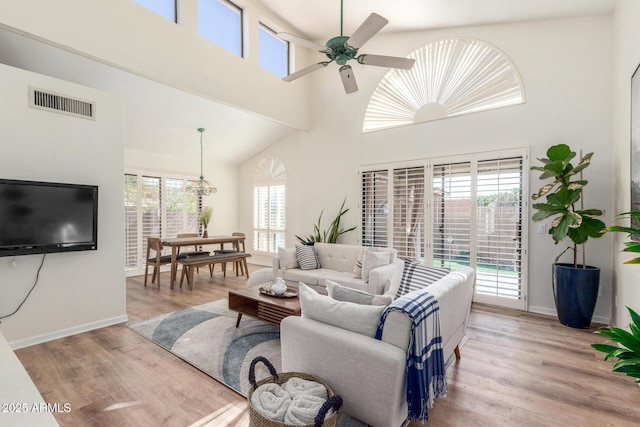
<point>627,350</point>
<point>331,234</point>
<point>575,286</point>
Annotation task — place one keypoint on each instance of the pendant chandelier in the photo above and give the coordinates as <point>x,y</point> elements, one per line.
<point>201,187</point>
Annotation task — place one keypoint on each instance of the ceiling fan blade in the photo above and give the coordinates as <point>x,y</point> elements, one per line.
<point>386,61</point>
<point>304,71</point>
<point>366,30</point>
<point>348,79</point>
<point>302,42</point>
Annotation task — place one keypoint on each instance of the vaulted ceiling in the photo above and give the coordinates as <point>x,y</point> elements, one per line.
<point>155,113</point>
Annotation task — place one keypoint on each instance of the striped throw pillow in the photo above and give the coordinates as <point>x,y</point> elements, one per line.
<point>417,276</point>
<point>307,257</point>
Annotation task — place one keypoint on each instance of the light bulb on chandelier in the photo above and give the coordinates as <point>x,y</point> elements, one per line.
<point>201,187</point>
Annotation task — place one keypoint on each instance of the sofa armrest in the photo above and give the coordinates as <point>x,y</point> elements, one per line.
<point>367,373</point>
<point>378,278</point>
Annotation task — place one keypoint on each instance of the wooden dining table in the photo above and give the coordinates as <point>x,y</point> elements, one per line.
<point>177,242</point>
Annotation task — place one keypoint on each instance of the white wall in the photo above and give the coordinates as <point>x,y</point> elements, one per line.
<point>76,291</point>
<point>566,68</point>
<point>626,59</point>
<point>126,35</point>
<point>223,176</point>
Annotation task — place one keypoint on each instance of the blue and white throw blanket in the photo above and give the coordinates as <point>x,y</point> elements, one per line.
<point>426,376</point>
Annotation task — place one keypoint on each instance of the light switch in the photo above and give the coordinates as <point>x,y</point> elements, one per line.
<point>542,228</point>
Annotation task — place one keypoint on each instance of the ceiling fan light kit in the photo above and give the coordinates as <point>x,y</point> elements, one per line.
<point>341,49</point>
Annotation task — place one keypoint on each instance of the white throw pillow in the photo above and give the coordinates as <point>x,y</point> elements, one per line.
<point>362,319</point>
<point>288,258</point>
<point>371,261</point>
<point>344,293</point>
<point>307,257</point>
<point>392,285</point>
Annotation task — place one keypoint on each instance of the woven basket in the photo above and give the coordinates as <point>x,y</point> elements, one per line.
<point>258,420</point>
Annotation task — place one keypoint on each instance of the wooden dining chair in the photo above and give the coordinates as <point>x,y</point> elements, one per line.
<point>156,260</point>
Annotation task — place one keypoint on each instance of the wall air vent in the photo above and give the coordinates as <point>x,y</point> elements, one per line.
<point>47,100</point>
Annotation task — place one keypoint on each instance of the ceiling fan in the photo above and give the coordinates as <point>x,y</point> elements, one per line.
<point>342,49</point>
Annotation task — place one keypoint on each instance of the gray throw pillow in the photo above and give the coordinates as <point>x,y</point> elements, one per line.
<point>307,257</point>
<point>344,293</point>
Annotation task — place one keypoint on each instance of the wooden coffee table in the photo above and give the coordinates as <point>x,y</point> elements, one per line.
<point>271,309</point>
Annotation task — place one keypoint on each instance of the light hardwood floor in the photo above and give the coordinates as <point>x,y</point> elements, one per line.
<point>517,369</point>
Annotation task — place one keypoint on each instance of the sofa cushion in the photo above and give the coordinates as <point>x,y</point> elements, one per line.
<point>337,257</point>
<point>343,293</point>
<point>362,319</point>
<point>307,258</point>
<point>417,276</point>
<point>288,258</point>
<point>311,277</point>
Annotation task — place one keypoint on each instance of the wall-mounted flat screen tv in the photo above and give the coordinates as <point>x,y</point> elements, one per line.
<point>45,217</point>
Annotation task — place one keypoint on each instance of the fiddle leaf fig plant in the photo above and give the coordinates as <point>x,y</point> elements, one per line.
<point>627,350</point>
<point>562,196</point>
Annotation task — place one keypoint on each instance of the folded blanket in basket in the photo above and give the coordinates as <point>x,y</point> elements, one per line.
<point>303,410</point>
<point>271,401</point>
<point>296,386</point>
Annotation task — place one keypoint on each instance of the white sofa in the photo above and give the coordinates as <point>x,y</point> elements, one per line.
<point>369,374</point>
<point>337,262</point>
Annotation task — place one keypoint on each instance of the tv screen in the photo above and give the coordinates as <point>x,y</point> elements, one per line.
<point>45,217</point>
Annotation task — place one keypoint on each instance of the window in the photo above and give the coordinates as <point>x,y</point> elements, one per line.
<point>274,53</point>
<point>165,8</point>
<point>220,22</point>
<point>155,206</point>
<point>394,211</point>
<point>471,216</point>
<point>269,205</point>
<point>450,77</point>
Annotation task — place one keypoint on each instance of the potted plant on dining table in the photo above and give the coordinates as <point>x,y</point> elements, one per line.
<point>205,218</point>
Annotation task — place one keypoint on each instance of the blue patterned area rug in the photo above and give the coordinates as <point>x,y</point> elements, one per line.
<point>206,337</point>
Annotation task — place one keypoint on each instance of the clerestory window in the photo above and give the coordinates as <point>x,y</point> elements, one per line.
<point>220,22</point>
<point>165,8</point>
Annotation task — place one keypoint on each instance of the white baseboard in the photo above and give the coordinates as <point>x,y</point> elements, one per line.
<point>39,339</point>
<point>554,313</point>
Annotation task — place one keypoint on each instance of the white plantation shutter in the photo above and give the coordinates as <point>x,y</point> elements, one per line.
<point>408,212</point>
<point>150,206</point>
<point>131,221</point>
<point>156,206</point>
<point>474,216</point>
<point>452,211</point>
<point>498,219</point>
<point>269,205</point>
<point>374,207</point>
<point>393,215</point>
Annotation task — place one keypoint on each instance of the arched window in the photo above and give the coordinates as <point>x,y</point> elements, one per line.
<point>450,77</point>
<point>269,204</point>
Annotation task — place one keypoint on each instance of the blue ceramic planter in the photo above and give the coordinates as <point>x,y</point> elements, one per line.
<point>575,291</point>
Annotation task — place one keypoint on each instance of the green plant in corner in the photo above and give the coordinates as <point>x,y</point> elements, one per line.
<point>562,196</point>
<point>332,233</point>
<point>630,246</point>
<point>627,352</point>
